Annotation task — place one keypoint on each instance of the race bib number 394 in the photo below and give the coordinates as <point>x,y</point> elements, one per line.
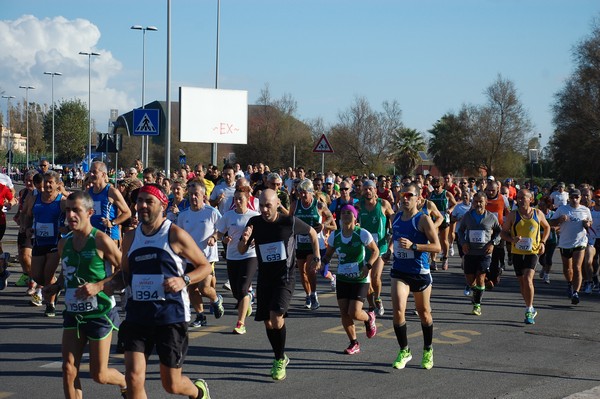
<point>148,287</point>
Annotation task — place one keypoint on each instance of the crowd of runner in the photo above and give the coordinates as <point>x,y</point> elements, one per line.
<point>155,241</point>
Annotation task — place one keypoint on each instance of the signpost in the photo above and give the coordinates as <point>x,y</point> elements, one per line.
<point>145,122</point>
<point>323,147</point>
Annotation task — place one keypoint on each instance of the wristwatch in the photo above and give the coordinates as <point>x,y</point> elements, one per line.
<point>413,247</point>
<point>186,279</point>
<point>369,266</point>
<point>315,259</point>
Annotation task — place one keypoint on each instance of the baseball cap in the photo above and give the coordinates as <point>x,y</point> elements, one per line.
<point>328,180</point>
<point>368,183</point>
<point>574,192</point>
<point>491,178</point>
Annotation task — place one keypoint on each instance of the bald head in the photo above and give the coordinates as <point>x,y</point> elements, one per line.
<point>268,204</point>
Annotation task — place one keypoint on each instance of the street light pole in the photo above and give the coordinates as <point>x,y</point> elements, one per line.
<point>8,145</point>
<point>89,55</point>
<point>145,139</point>
<point>27,88</point>
<point>53,74</point>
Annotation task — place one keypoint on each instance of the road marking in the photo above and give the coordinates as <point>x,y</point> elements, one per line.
<point>6,394</point>
<point>206,331</point>
<point>85,362</point>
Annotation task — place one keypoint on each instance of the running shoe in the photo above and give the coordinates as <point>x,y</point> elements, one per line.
<point>427,361</point>
<point>23,281</point>
<point>333,283</point>
<point>50,310</point>
<point>546,278</point>
<point>278,369</point>
<point>307,303</point>
<point>467,291</point>
<point>226,286</point>
<point>587,287</point>
<point>476,309</point>
<point>433,265</point>
<point>444,263</point>
<point>404,356</point>
<point>542,273</point>
<point>240,328</point>
<point>314,299</point>
<point>352,349</point>
<point>596,287</point>
<point>31,289</point>
<point>370,326</point>
<point>575,298</point>
<point>452,250</point>
<point>4,278</point>
<point>203,392</point>
<point>379,309</point>
<point>36,300</point>
<point>530,317</point>
<point>218,308</point>
<point>199,322</point>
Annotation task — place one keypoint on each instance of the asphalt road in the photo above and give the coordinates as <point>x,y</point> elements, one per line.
<point>491,356</point>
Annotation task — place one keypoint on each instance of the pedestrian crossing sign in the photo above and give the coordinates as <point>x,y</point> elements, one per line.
<point>145,122</point>
<point>323,145</point>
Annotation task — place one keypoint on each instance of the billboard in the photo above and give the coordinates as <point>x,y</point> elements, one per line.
<point>213,115</point>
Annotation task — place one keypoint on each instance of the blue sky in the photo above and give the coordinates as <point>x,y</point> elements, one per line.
<point>430,55</point>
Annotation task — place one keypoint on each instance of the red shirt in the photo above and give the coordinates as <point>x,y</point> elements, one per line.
<point>5,196</point>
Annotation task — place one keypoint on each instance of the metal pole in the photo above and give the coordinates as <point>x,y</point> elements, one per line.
<point>89,55</point>
<point>8,144</point>
<point>213,156</point>
<point>27,88</point>
<point>322,162</point>
<point>52,74</point>
<point>168,97</point>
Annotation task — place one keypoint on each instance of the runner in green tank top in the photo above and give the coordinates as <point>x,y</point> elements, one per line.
<point>351,244</point>
<point>374,217</point>
<point>90,315</point>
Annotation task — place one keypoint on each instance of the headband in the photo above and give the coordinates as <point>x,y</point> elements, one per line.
<point>350,208</point>
<point>156,192</point>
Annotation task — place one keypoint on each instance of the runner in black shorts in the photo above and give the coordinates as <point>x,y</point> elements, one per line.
<point>273,236</point>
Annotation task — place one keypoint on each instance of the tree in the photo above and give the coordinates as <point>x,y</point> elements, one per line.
<point>575,143</point>
<point>448,143</point>
<point>406,144</point>
<point>71,130</point>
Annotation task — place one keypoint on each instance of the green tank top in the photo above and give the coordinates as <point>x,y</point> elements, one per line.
<point>374,222</point>
<point>440,200</point>
<point>310,216</point>
<point>80,267</point>
<point>351,256</point>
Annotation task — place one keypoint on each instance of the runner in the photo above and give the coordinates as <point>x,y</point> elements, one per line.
<point>545,205</point>
<point>498,205</point>
<point>414,236</point>
<point>273,237</point>
<point>90,315</point>
<point>445,202</point>
<point>349,244</point>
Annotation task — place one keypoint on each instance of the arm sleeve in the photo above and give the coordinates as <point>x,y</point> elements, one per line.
<point>365,237</point>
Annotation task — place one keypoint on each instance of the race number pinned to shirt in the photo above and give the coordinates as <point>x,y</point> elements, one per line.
<point>44,230</point>
<point>476,236</point>
<point>401,253</point>
<point>148,287</point>
<point>524,244</point>
<point>77,305</point>
<point>272,252</point>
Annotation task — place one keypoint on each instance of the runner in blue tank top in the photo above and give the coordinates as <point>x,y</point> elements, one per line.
<point>413,235</point>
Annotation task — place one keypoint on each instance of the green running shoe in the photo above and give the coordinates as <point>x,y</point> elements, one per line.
<point>203,392</point>
<point>278,369</point>
<point>530,317</point>
<point>427,362</point>
<point>476,310</point>
<point>404,356</point>
<point>23,281</point>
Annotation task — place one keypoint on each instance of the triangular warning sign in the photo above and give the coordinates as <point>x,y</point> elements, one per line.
<point>323,145</point>
<point>145,125</point>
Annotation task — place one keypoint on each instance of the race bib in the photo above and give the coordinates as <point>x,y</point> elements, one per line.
<point>401,253</point>
<point>44,230</point>
<point>303,239</point>
<point>77,305</point>
<point>98,208</point>
<point>349,269</point>
<point>272,252</point>
<point>148,287</point>
<point>524,244</point>
<point>476,236</point>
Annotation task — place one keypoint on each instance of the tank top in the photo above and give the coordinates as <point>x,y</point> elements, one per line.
<point>47,218</point>
<point>151,261</point>
<point>529,230</point>
<point>440,200</point>
<point>80,267</point>
<point>309,215</point>
<point>351,256</point>
<point>103,208</point>
<point>407,260</point>
<point>374,221</point>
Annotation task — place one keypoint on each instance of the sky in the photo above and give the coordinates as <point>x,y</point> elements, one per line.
<point>431,56</point>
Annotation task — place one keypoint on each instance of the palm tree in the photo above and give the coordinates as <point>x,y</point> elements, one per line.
<point>406,144</point>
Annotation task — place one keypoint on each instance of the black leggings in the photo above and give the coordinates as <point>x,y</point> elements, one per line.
<point>240,273</point>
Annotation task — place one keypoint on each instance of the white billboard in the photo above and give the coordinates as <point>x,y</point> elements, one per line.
<point>213,115</point>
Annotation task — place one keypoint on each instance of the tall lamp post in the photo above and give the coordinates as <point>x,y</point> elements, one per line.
<point>8,145</point>
<point>145,139</point>
<point>53,74</point>
<point>89,55</point>
<point>27,88</point>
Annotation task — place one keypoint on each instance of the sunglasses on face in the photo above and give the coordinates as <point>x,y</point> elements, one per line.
<point>344,188</point>
<point>408,195</point>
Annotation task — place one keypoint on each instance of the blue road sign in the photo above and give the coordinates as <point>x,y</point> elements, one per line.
<point>145,122</point>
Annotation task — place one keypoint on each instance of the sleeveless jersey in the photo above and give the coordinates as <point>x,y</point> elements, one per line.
<point>351,257</point>
<point>374,222</point>
<point>80,267</point>
<point>103,208</point>
<point>440,200</point>
<point>310,216</point>
<point>529,230</point>
<point>151,261</point>
<point>496,206</point>
<point>47,218</point>
<point>407,260</point>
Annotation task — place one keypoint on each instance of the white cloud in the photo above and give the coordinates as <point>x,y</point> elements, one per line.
<point>32,46</point>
